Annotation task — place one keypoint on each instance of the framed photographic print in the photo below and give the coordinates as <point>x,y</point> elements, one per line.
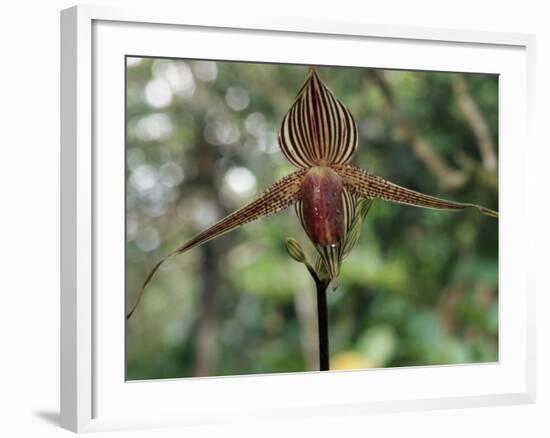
<point>253,207</point>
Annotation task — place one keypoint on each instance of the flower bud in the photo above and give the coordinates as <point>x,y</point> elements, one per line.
<point>295,250</point>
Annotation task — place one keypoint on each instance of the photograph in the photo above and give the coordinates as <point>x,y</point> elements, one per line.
<point>285,218</point>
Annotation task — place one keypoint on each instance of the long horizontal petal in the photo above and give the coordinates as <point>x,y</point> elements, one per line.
<point>277,197</point>
<point>370,186</point>
<point>318,128</point>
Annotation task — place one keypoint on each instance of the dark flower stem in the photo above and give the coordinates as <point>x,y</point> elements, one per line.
<point>322,320</point>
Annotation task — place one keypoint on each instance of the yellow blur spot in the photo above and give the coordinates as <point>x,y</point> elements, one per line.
<point>349,360</point>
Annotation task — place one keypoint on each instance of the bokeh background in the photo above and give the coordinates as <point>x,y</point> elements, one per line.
<point>420,287</point>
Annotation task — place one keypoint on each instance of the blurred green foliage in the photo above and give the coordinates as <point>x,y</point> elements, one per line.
<point>420,287</point>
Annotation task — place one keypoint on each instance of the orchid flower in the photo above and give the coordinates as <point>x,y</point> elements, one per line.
<point>318,135</point>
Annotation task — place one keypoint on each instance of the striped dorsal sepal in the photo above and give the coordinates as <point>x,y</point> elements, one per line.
<point>318,129</point>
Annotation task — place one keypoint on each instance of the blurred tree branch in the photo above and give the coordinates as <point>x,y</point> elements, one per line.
<point>477,123</point>
<point>448,177</point>
<point>206,344</point>
<point>305,305</point>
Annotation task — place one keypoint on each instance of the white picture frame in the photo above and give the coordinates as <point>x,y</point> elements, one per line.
<point>94,395</point>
